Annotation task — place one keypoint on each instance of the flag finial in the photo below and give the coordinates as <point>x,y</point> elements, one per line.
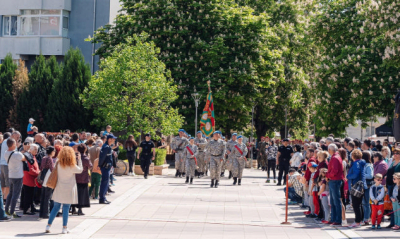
<point>209,83</point>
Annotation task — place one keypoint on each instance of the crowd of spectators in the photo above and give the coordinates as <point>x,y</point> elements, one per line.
<point>335,176</point>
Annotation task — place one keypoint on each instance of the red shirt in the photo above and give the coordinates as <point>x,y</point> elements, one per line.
<point>335,168</point>
<point>308,172</point>
<point>29,177</point>
<point>322,164</point>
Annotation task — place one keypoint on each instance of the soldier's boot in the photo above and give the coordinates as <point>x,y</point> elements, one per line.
<point>230,174</point>
<point>180,174</point>
<point>191,180</point>
<point>212,183</point>
<point>234,180</point>
<point>216,183</point>
<point>183,174</point>
<point>196,173</point>
<point>187,180</point>
<point>177,173</point>
<point>239,181</point>
<point>207,173</point>
<point>222,174</point>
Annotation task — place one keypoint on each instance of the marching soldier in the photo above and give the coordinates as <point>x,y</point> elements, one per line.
<point>238,153</point>
<point>190,154</point>
<point>178,144</point>
<point>215,152</point>
<point>229,147</point>
<point>200,142</point>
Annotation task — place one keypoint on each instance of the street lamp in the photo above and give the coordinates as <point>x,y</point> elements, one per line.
<point>252,123</point>
<point>196,97</point>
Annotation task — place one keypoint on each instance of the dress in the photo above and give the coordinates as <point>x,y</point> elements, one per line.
<point>239,160</point>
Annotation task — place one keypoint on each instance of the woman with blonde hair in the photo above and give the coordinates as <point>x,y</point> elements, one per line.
<point>65,192</point>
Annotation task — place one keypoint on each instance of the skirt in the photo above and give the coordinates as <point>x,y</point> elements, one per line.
<point>83,195</point>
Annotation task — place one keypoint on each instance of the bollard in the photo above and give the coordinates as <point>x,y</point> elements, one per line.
<point>287,201</point>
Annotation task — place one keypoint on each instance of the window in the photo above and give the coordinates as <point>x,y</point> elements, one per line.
<point>30,26</point>
<point>10,26</point>
<point>41,22</point>
<point>65,23</point>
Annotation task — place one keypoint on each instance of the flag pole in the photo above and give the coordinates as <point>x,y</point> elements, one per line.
<point>209,83</point>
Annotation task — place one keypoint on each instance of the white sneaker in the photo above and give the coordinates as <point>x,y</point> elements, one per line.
<point>65,230</point>
<point>344,223</point>
<point>47,229</point>
<point>355,225</point>
<point>132,174</point>
<point>129,174</point>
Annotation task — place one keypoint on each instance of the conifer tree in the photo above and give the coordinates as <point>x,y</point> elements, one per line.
<point>7,73</point>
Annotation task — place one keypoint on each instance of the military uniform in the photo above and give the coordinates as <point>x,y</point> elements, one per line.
<point>201,144</point>
<point>262,156</point>
<point>230,145</point>
<point>179,144</point>
<point>190,162</point>
<point>239,161</point>
<point>215,152</point>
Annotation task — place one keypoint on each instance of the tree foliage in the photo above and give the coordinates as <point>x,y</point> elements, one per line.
<point>133,91</point>
<point>7,73</point>
<point>64,108</point>
<point>199,41</point>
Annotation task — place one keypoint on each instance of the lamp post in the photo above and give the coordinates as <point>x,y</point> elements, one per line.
<point>196,97</point>
<point>252,123</point>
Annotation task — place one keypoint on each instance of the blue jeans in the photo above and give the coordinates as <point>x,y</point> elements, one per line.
<point>390,191</point>
<point>54,211</point>
<point>105,180</point>
<point>293,196</point>
<point>366,206</point>
<point>2,212</point>
<point>336,201</point>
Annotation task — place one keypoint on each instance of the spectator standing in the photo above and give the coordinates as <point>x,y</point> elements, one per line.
<point>105,164</point>
<point>95,179</point>
<point>393,168</point>
<point>271,158</point>
<point>377,194</point>
<point>82,181</point>
<point>3,166</point>
<point>335,176</point>
<point>16,174</point>
<point>344,189</point>
<point>131,146</point>
<point>395,199</point>
<point>94,151</point>
<point>356,174</point>
<point>368,182</point>
<point>296,158</point>
<point>40,141</point>
<point>30,125</point>
<point>324,194</point>
<point>285,152</point>
<point>30,174</point>
<point>46,204</point>
<point>386,154</point>
<point>380,166</point>
<point>378,145</point>
<point>82,137</point>
<point>65,192</point>
<point>147,153</point>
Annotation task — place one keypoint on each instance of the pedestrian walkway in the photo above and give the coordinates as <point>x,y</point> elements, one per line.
<point>165,207</point>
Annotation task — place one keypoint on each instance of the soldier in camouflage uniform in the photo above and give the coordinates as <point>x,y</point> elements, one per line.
<point>206,161</point>
<point>223,165</point>
<point>215,152</point>
<point>262,156</point>
<point>239,160</point>
<point>178,145</point>
<point>190,154</point>
<point>200,142</point>
<point>229,147</point>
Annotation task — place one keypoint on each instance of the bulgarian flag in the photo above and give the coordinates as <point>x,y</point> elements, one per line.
<point>207,122</point>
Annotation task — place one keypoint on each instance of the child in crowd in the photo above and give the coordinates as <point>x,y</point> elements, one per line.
<point>304,182</point>
<point>313,192</point>
<point>324,194</point>
<point>108,130</point>
<point>30,125</point>
<point>396,200</point>
<point>95,179</point>
<point>377,194</point>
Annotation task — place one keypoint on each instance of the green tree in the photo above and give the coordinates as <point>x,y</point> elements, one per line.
<point>64,108</point>
<point>20,84</point>
<point>133,91</point>
<point>204,40</point>
<point>7,73</point>
<point>352,81</point>
<point>34,100</point>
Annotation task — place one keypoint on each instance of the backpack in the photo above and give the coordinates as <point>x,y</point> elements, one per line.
<point>357,190</point>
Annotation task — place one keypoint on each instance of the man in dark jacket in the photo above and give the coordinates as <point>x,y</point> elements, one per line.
<point>105,164</point>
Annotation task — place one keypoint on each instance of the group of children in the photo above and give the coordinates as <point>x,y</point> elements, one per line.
<point>316,194</point>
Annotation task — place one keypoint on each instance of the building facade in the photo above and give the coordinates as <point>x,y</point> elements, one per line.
<point>50,27</point>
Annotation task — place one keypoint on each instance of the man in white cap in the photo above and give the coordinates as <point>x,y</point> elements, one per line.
<point>30,125</point>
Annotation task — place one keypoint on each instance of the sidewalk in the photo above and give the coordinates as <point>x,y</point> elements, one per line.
<point>165,207</point>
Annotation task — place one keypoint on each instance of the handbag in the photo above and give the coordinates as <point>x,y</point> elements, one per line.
<point>52,181</point>
<point>41,176</point>
<point>358,189</point>
<point>387,203</point>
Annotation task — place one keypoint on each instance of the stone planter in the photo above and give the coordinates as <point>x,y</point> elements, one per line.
<point>161,169</point>
<point>254,163</point>
<point>248,164</point>
<point>139,171</point>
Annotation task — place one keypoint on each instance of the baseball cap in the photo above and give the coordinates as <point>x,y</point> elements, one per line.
<point>72,144</point>
<point>111,136</point>
<point>147,135</point>
<point>31,119</point>
<point>234,134</point>
<point>312,165</point>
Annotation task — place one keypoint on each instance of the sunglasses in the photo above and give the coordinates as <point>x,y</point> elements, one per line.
<point>26,143</point>
<point>397,153</point>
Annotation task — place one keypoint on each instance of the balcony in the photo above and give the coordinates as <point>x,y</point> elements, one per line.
<point>13,7</point>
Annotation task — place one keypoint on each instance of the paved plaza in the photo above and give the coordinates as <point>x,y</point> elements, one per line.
<point>165,207</point>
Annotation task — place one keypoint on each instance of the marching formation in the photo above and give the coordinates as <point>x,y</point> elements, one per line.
<point>195,156</point>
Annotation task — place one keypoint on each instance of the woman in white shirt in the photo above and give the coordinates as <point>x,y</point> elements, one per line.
<point>296,158</point>
<point>65,192</point>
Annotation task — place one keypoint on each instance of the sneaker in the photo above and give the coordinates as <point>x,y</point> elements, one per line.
<point>366,222</point>
<point>344,223</point>
<point>325,222</point>
<point>379,227</point>
<point>6,219</point>
<point>336,224</point>
<point>15,215</point>
<point>307,212</point>
<point>373,227</point>
<point>65,230</point>
<point>47,229</point>
<point>267,181</point>
<point>349,208</point>
<point>355,225</point>
<point>292,203</point>
<point>312,215</point>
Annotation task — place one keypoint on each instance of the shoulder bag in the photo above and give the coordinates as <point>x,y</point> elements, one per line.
<point>52,181</point>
